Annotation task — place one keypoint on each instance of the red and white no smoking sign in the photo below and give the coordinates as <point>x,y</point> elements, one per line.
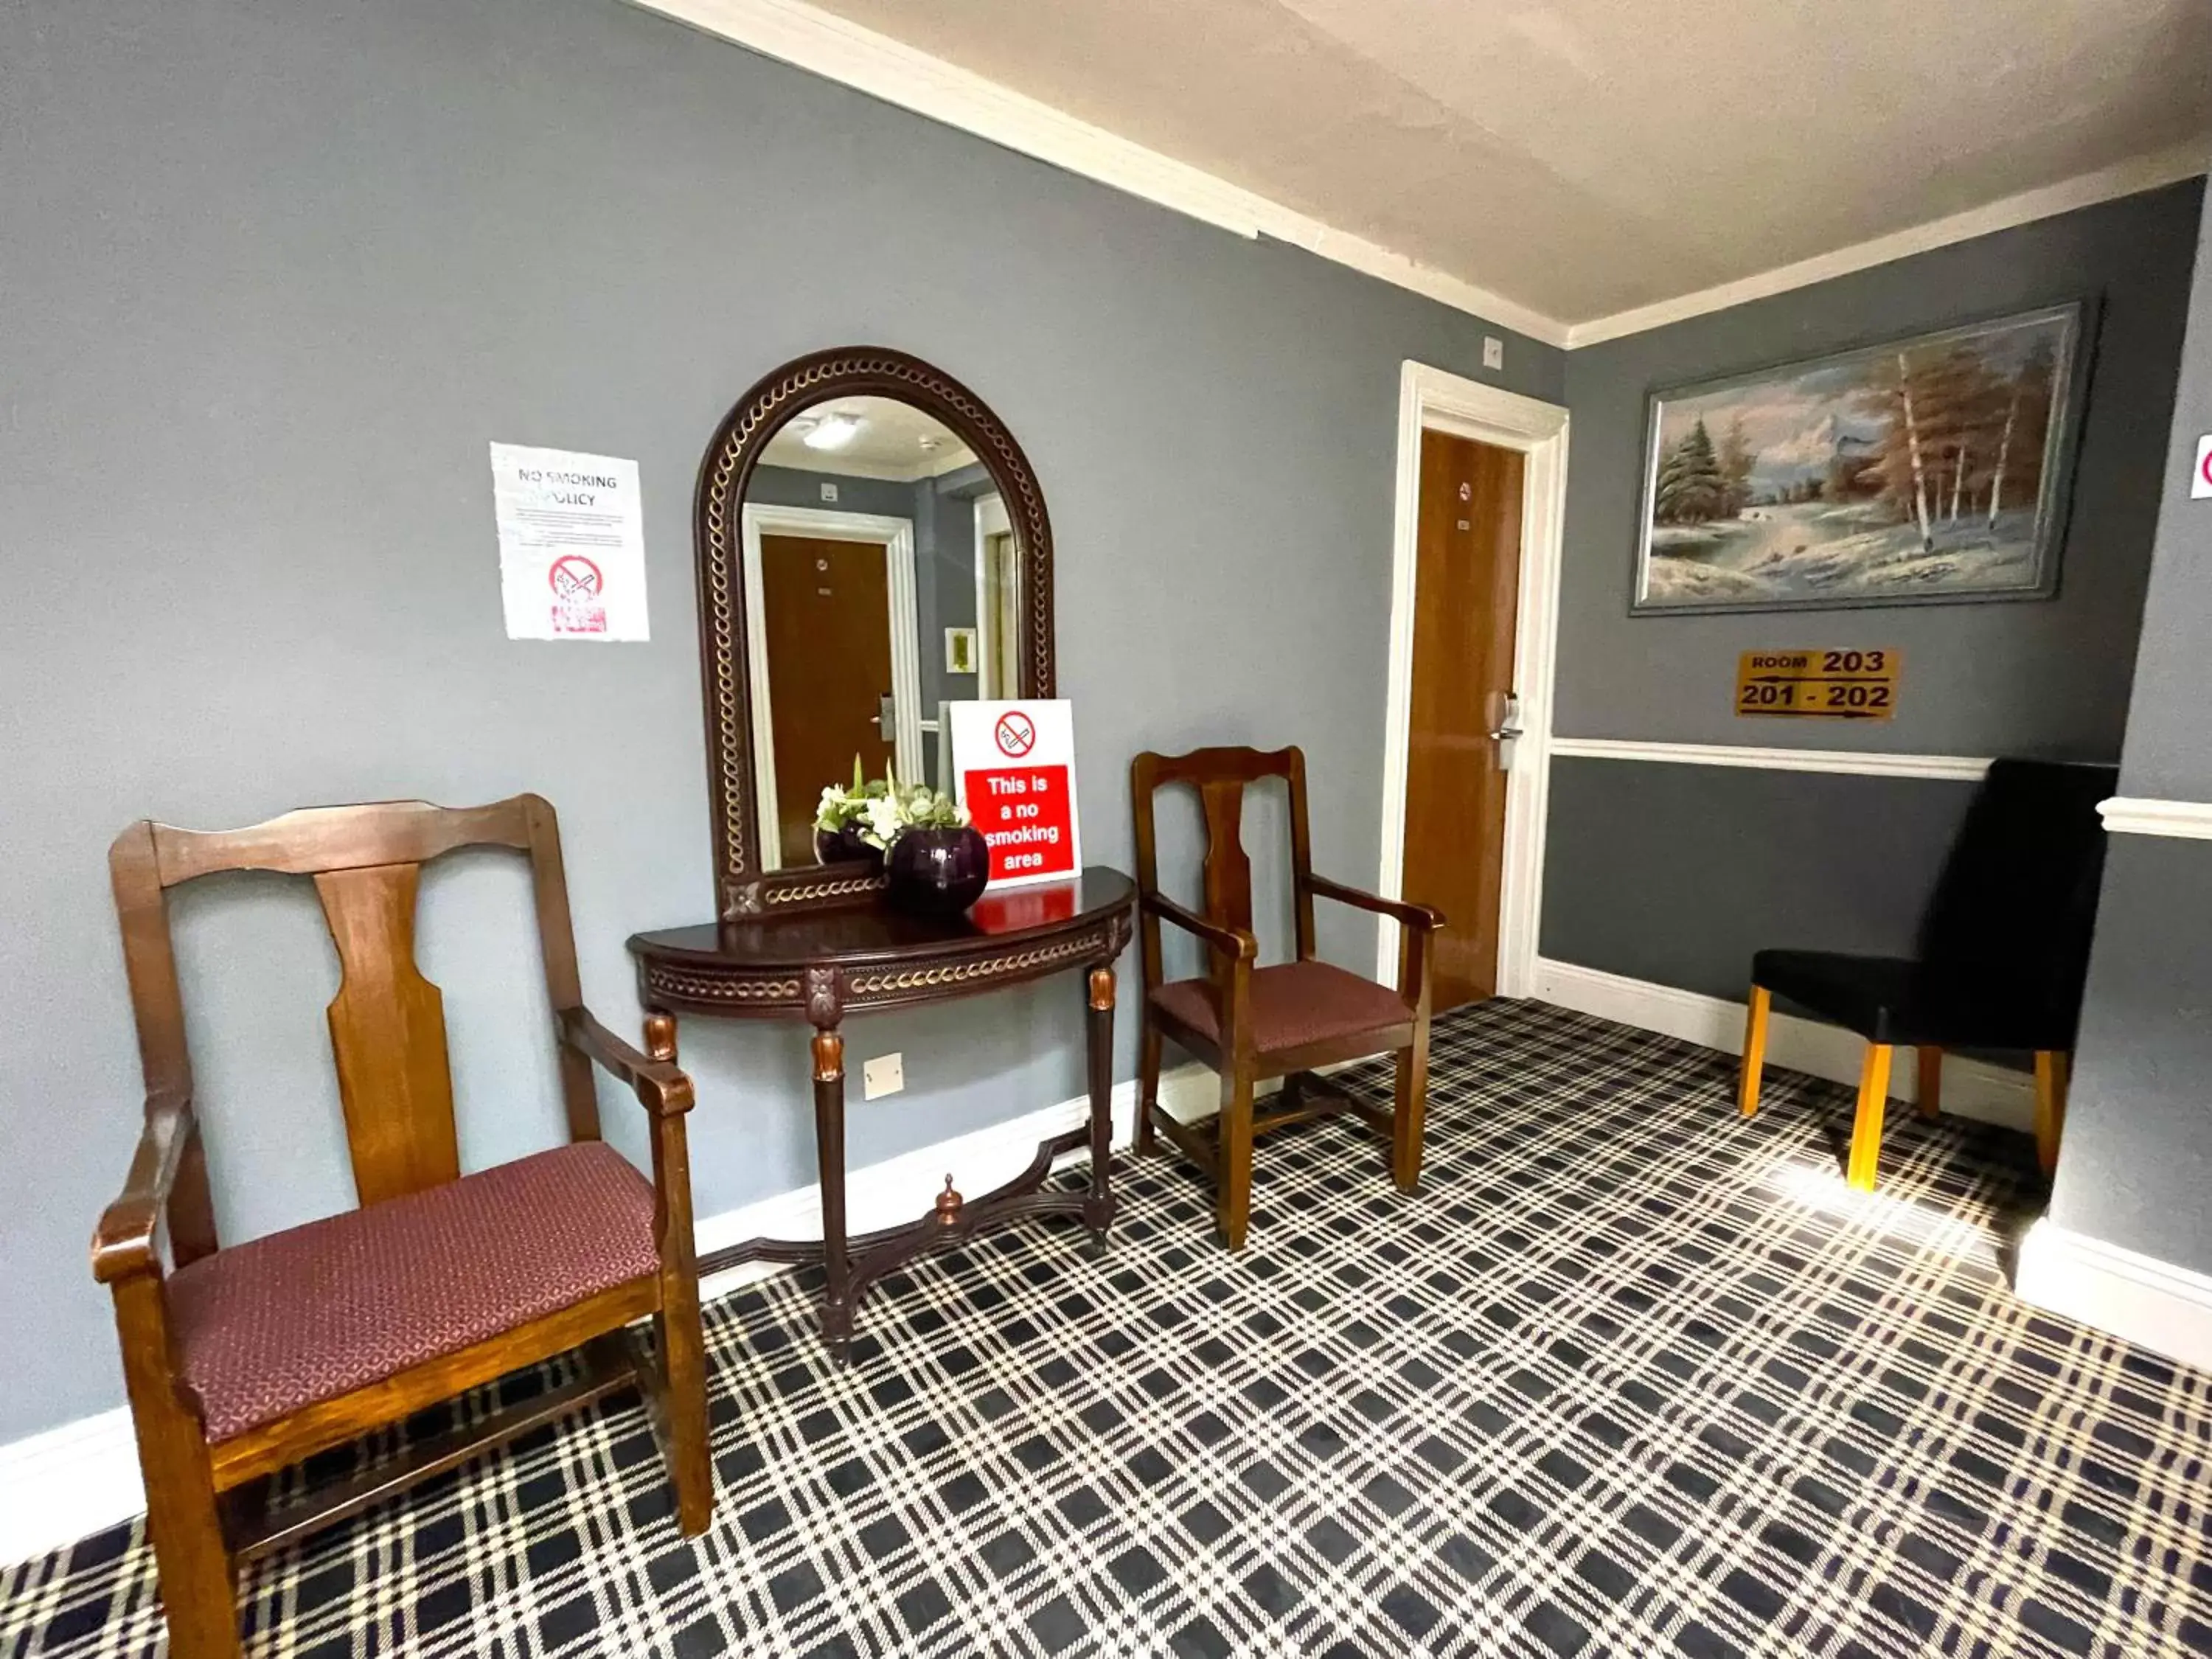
<point>1015,763</point>
<point>579,604</point>
<point>2200,482</point>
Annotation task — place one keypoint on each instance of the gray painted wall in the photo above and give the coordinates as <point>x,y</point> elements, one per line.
<point>1801,859</point>
<point>791,486</point>
<point>275,275</point>
<point>2019,677</point>
<point>1676,874</point>
<point>2137,1161</point>
<point>2169,748</point>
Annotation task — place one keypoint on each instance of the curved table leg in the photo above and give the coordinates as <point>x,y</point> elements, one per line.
<point>829,1154</point>
<point>1098,1202</point>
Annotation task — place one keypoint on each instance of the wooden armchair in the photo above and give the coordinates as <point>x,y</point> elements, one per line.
<point>241,1361</point>
<point>1250,1022</point>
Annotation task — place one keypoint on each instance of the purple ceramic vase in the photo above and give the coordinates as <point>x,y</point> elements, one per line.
<point>844,846</point>
<point>938,872</point>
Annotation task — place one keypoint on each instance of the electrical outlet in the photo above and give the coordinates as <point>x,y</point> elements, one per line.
<point>1493,352</point>
<point>883,1075</point>
<point>829,492</point>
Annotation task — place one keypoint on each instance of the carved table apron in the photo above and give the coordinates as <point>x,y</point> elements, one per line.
<point>818,963</point>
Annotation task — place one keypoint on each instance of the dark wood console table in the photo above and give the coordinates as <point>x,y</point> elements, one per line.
<point>821,959</point>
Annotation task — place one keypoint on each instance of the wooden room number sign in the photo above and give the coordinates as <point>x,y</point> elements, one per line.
<point>1819,685</point>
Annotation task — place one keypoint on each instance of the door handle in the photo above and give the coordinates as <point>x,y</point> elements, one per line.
<point>886,718</point>
<point>1508,719</point>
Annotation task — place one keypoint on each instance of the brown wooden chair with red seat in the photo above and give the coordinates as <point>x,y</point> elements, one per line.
<point>241,1361</point>
<point>1250,1024</point>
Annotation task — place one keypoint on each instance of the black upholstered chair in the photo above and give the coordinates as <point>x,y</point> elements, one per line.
<point>2002,956</point>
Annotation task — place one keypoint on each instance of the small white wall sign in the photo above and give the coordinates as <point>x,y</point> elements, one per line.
<point>2200,482</point>
<point>959,650</point>
<point>571,544</point>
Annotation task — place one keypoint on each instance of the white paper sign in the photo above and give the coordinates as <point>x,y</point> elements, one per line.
<point>571,544</point>
<point>2200,482</point>
<point>1015,764</point>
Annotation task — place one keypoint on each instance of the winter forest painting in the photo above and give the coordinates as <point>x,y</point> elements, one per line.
<point>1927,469</point>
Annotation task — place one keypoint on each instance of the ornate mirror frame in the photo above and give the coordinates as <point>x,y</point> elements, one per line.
<point>741,889</point>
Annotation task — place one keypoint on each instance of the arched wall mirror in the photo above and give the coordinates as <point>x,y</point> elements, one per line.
<point>871,544</point>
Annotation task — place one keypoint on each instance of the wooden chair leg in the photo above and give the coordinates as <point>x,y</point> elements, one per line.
<point>1866,1127</point>
<point>1754,1050</point>
<point>1233,1154</point>
<point>683,1343</point>
<point>199,1596</point>
<point>1932,1080</point>
<point>2053,1067</point>
<point>690,1464</point>
<point>1148,1085</point>
<point>1409,1115</point>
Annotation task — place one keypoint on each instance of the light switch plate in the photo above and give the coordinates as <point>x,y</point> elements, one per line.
<point>883,1075</point>
<point>1493,352</point>
<point>829,492</point>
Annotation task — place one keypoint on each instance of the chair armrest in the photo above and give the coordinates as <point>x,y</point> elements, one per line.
<point>127,1240</point>
<point>1413,915</point>
<point>662,1088</point>
<point>1233,941</point>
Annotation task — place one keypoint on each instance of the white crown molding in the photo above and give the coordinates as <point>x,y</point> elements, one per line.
<point>843,52</point>
<point>2153,1304</point>
<point>1989,1094</point>
<point>2128,178</point>
<point>1962,769</point>
<point>2138,815</point>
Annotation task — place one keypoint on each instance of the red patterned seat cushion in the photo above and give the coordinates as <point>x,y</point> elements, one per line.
<point>1293,1003</point>
<point>266,1327</point>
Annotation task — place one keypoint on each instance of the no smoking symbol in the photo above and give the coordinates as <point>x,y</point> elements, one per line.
<point>1015,735</point>
<point>574,577</point>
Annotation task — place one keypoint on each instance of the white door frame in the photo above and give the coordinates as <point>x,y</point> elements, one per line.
<point>896,536</point>
<point>991,520</point>
<point>1431,398</point>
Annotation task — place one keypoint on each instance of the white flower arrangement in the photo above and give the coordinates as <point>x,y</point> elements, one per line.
<point>879,812</point>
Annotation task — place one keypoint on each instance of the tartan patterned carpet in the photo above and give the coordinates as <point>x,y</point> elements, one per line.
<point>1629,1376</point>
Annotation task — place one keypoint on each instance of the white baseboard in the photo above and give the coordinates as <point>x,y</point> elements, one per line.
<point>2147,1302</point>
<point>1990,1094</point>
<point>69,1482</point>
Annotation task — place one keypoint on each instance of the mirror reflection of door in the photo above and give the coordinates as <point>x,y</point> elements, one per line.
<point>869,529</point>
<point>998,600</point>
<point>825,611</point>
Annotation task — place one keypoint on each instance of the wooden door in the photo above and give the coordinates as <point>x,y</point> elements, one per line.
<point>1466,582</point>
<point>825,624</point>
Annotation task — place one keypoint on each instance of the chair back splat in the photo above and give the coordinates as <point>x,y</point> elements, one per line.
<point>387,1022</point>
<point>1221,777</point>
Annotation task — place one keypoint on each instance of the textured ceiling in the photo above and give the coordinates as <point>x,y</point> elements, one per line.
<point>1584,157</point>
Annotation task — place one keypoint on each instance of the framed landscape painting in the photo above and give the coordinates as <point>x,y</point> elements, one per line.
<point>1928,469</point>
